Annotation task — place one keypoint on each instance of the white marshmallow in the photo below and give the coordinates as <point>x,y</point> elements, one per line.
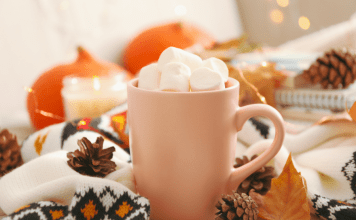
<point>172,54</point>
<point>218,66</point>
<point>205,79</point>
<point>175,77</point>
<point>149,77</point>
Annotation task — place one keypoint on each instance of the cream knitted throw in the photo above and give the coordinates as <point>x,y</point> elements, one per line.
<point>325,155</point>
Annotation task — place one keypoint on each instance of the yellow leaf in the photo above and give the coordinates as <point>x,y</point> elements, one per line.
<point>287,199</point>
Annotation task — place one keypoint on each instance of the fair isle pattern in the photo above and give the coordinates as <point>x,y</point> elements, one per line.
<point>91,124</point>
<point>43,210</point>
<point>60,136</point>
<point>333,209</point>
<point>349,171</point>
<point>90,203</point>
<point>110,203</point>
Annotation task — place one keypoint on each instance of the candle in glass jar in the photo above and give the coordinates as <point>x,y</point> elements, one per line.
<point>91,97</point>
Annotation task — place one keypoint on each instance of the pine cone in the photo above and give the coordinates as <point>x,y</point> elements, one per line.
<point>259,180</point>
<point>10,152</point>
<point>336,68</point>
<point>236,207</point>
<point>92,159</point>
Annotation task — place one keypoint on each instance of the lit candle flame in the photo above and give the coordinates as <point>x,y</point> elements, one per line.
<point>74,81</point>
<point>96,83</point>
<point>264,63</point>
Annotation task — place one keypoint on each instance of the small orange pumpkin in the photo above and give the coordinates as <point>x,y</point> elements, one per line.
<point>46,95</point>
<point>148,45</point>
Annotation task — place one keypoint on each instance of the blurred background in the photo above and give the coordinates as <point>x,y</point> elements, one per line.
<point>275,22</point>
<point>37,35</point>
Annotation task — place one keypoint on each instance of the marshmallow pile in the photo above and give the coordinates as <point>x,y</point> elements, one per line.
<point>180,71</point>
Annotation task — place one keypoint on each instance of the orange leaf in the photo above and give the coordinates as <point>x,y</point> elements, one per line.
<point>352,112</point>
<point>287,198</point>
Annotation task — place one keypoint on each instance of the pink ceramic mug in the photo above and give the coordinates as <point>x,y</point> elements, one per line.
<point>183,146</point>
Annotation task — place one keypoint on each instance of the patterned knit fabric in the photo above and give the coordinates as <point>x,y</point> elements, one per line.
<point>326,157</point>
<point>88,203</point>
<point>64,136</point>
<point>333,209</point>
<point>325,154</point>
<point>349,171</point>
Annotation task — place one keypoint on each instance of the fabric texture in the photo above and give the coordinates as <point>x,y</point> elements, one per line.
<point>64,136</point>
<point>324,154</point>
<point>333,209</point>
<point>99,202</point>
<point>49,178</point>
<point>46,176</point>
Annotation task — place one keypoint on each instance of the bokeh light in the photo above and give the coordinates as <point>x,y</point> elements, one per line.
<point>28,89</point>
<point>304,23</point>
<point>276,16</point>
<point>283,3</point>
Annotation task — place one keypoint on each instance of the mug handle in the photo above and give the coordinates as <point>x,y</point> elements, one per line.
<point>242,115</point>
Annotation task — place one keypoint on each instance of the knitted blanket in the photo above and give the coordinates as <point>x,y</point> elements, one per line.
<point>325,155</point>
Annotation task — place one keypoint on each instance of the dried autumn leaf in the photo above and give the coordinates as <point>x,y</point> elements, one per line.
<point>352,112</point>
<point>287,198</point>
<point>341,117</point>
<point>347,116</point>
<point>264,78</point>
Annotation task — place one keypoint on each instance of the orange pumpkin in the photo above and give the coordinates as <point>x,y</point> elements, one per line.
<point>147,46</point>
<point>46,90</point>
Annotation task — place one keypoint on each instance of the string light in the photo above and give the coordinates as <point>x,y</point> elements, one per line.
<point>28,89</point>
<point>283,3</point>
<point>304,23</point>
<point>120,120</point>
<point>48,114</point>
<point>82,122</point>
<point>276,16</point>
<point>44,113</point>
